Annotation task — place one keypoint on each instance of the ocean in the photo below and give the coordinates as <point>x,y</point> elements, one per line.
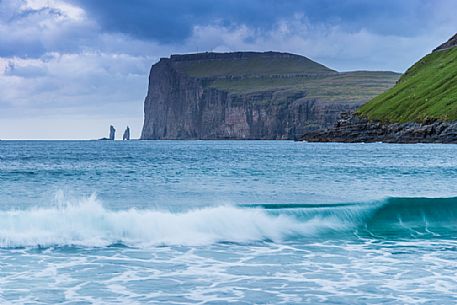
<point>227,222</point>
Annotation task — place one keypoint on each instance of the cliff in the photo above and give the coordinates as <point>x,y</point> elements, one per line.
<point>249,95</point>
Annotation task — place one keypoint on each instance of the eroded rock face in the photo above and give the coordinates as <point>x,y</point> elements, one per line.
<point>180,106</point>
<point>352,129</point>
<point>126,135</point>
<point>452,42</point>
<point>112,133</point>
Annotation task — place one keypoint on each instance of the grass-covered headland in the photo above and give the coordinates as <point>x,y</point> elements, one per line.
<point>428,90</point>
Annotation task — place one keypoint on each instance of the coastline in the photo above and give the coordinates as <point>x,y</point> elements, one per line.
<point>352,128</point>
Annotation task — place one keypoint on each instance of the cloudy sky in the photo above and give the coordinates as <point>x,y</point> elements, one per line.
<point>70,68</point>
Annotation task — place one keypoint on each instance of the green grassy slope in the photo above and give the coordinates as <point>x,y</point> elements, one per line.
<point>427,90</point>
<point>288,75</point>
<point>251,65</point>
<point>348,87</point>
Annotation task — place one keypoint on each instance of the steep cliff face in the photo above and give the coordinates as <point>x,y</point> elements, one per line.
<point>247,95</point>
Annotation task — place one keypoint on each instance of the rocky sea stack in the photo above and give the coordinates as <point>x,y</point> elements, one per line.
<point>251,95</point>
<point>112,134</point>
<point>126,135</point>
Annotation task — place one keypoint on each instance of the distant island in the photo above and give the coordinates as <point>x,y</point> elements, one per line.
<point>251,95</point>
<point>420,108</point>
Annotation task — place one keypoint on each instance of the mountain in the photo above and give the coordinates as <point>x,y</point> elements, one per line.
<point>428,90</point>
<point>420,108</point>
<point>250,95</point>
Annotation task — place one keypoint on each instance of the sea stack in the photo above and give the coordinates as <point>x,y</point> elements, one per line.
<point>126,136</point>
<point>112,133</point>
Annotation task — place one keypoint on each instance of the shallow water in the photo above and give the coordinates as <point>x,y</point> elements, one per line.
<point>219,222</point>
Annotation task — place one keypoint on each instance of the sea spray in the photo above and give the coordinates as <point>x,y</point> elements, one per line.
<point>88,223</point>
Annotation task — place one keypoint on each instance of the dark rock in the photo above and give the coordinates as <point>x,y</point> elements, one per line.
<point>452,42</point>
<point>126,135</point>
<point>352,128</point>
<point>112,133</point>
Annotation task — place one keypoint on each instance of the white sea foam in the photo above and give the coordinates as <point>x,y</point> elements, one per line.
<point>88,223</point>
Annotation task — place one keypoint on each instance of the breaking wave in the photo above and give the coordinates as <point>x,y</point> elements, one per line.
<point>87,223</point>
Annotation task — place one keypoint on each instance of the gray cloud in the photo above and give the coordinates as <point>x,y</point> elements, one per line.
<point>173,20</point>
<point>87,61</point>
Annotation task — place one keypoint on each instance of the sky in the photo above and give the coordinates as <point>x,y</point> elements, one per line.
<point>70,68</point>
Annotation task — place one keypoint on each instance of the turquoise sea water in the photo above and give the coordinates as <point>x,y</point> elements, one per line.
<point>227,222</point>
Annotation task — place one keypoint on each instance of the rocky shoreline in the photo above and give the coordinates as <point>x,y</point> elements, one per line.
<point>352,128</point>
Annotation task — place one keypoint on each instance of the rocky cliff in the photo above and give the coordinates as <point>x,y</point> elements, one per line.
<point>249,95</point>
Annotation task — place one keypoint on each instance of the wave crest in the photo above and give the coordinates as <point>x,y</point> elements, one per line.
<point>88,223</point>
